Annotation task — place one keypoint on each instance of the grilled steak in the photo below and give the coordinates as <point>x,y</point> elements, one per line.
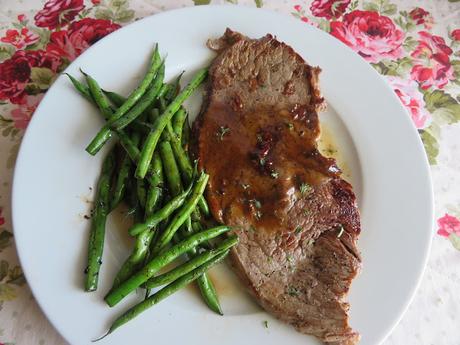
<point>297,220</point>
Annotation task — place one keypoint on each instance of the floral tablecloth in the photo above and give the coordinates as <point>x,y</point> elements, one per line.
<point>415,44</point>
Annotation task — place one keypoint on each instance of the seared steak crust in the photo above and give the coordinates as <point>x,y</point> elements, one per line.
<point>297,220</point>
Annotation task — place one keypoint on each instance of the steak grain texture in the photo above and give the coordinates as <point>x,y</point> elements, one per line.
<point>297,220</point>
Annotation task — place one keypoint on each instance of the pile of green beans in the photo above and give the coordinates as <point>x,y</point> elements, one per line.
<point>149,169</point>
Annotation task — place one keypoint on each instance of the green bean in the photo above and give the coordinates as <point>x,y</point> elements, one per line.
<point>183,161</point>
<point>156,186</point>
<point>161,121</point>
<point>98,96</point>
<point>161,214</point>
<point>181,156</point>
<point>105,133</point>
<point>182,214</point>
<point>190,265</point>
<point>118,123</point>
<point>136,258</point>
<point>163,91</point>
<point>115,98</point>
<point>120,182</point>
<point>174,88</point>
<point>125,141</point>
<point>154,265</point>
<point>186,134</point>
<point>141,192</point>
<point>97,232</point>
<point>207,289</point>
<point>165,292</point>
<point>135,209</point>
<point>80,87</point>
<point>171,169</point>
<point>146,100</point>
<point>178,123</point>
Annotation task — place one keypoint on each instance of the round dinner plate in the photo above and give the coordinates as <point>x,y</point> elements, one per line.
<point>378,149</point>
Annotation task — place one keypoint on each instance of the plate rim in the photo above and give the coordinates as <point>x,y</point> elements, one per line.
<point>20,156</point>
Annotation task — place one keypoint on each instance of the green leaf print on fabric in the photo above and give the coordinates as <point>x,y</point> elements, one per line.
<point>115,10</point>
<point>455,240</point>
<point>42,77</point>
<point>431,145</point>
<point>444,108</point>
<point>6,239</point>
<point>3,269</point>
<point>259,3</point>
<point>11,161</point>
<point>6,51</point>
<point>398,68</point>
<point>16,277</point>
<point>381,6</point>
<point>8,278</point>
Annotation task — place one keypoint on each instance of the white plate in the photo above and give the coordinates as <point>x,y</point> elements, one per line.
<point>375,137</point>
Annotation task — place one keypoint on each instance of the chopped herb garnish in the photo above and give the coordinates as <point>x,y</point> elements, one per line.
<point>222,132</point>
<point>305,188</point>
<point>292,291</point>
<point>310,242</point>
<point>298,230</point>
<point>290,126</point>
<point>245,186</point>
<point>266,324</point>
<point>290,258</point>
<point>258,215</point>
<point>269,259</point>
<point>274,174</point>
<point>262,161</point>
<point>306,212</point>
<point>256,203</point>
<point>341,230</point>
<point>259,138</point>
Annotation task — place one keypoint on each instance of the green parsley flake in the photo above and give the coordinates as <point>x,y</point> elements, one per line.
<point>292,291</point>
<point>305,188</point>
<point>274,174</point>
<point>222,132</point>
<point>256,203</point>
<point>266,324</point>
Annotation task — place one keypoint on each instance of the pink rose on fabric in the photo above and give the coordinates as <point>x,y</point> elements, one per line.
<point>58,13</point>
<point>80,35</point>
<point>412,99</point>
<point>371,35</point>
<point>20,39</point>
<point>300,13</point>
<point>329,8</point>
<point>420,16</point>
<point>15,72</point>
<point>22,18</point>
<point>23,113</point>
<point>432,65</point>
<point>448,225</point>
<point>455,34</point>
<point>2,221</point>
